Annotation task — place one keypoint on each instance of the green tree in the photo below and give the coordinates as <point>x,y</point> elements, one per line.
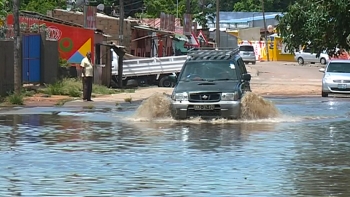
<point>3,12</point>
<point>42,6</point>
<point>322,24</point>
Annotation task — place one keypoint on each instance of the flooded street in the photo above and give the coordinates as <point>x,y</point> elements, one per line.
<point>104,152</point>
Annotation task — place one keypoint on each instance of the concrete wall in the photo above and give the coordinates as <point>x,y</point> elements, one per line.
<point>6,67</point>
<point>108,24</point>
<point>249,33</point>
<point>260,23</point>
<point>49,62</point>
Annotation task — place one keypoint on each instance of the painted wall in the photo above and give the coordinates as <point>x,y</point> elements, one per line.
<point>73,42</point>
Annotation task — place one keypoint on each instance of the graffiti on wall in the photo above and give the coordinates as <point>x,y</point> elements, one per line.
<point>73,42</point>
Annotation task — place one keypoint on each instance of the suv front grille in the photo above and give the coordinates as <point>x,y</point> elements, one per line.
<point>205,97</point>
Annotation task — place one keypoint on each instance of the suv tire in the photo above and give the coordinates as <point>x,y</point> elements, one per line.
<point>324,94</point>
<point>323,61</point>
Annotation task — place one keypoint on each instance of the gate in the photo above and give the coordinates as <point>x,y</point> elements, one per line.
<point>31,60</point>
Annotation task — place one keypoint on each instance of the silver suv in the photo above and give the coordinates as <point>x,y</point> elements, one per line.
<point>247,53</point>
<point>210,85</point>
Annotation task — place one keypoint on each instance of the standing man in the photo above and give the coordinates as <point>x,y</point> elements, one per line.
<point>87,74</point>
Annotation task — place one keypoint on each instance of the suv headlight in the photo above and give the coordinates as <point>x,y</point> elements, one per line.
<point>230,96</point>
<point>180,96</point>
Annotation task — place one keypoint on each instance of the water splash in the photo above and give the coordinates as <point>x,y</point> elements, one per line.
<point>157,106</point>
<point>255,107</point>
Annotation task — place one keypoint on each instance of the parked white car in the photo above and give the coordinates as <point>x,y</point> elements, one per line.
<point>305,55</point>
<point>336,78</point>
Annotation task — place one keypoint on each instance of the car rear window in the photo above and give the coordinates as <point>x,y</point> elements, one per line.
<point>246,48</point>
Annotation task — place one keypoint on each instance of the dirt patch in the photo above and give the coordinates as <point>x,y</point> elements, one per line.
<point>286,90</point>
<point>41,100</point>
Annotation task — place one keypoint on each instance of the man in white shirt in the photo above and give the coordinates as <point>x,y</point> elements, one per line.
<point>87,75</point>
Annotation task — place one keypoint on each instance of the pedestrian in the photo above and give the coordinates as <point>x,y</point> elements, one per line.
<point>87,74</point>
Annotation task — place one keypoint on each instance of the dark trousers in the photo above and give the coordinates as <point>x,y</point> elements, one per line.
<point>87,88</point>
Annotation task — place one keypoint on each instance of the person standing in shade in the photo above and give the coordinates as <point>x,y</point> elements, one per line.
<point>87,74</point>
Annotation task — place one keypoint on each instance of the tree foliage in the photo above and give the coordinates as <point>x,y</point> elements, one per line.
<point>323,24</point>
<point>2,10</point>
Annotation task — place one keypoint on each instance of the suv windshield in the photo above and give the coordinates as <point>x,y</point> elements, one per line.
<point>209,70</point>
<point>246,48</point>
<point>337,67</point>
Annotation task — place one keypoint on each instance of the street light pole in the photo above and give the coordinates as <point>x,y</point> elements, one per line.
<point>266,42</point>
<point>217,39</point>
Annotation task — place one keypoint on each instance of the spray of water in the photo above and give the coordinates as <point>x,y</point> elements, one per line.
<point>156,106</point>
<point>254,107</point>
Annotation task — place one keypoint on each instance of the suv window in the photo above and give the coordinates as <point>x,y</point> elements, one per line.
<point>246,48</point>
<point>210,70</point>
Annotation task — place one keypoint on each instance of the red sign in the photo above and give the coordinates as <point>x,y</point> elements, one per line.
<point>187,27</point>
<point>90,17</point>
<point>202,36</point>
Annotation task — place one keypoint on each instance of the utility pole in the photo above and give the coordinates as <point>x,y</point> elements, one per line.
<point>188,7</point>
<point>17,47</point>
<point>266,42</point>
<point>217,24</point>
<point>121,43</point>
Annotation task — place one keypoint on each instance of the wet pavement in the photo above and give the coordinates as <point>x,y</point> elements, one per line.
<point>103,151</point>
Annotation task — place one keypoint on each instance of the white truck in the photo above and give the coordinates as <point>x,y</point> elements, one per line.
<point>148,71</point>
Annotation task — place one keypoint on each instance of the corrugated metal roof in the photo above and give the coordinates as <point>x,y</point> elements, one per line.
<point>242,15</point>
<point>249,19</point>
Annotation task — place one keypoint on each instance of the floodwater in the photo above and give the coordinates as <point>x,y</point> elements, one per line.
<point>106,152</point>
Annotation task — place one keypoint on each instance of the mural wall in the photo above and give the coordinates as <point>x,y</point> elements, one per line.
<point>73,42</point>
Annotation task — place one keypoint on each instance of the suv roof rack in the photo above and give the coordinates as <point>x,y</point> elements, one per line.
<point>210,53</point>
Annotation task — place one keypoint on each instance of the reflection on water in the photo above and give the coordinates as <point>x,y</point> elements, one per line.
<point>92,154</point>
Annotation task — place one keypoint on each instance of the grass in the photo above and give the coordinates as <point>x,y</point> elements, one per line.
<point>15,99</point>
<point>128,100</point>
<point>73,88</point>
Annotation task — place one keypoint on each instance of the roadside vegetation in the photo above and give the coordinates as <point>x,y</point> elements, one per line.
<point>72,88</point>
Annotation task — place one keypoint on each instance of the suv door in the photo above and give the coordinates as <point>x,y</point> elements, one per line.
<point>241,65</point>
<point>242,70</point>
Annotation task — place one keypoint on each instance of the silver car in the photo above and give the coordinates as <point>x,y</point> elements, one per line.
<point>247,53</point>
<point>336,78</point>
<point>306,55</point>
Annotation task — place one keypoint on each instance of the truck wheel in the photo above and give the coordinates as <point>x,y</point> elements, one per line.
<point>132,83</point>
<point>165,82</point>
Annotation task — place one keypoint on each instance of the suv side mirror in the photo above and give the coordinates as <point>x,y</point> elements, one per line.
<point>322,70</point>
<point>246,77</point>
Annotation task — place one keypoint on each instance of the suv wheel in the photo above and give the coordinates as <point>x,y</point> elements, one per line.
<point>323,61</point>
<point>300,61</point>
<point>324,94</point>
